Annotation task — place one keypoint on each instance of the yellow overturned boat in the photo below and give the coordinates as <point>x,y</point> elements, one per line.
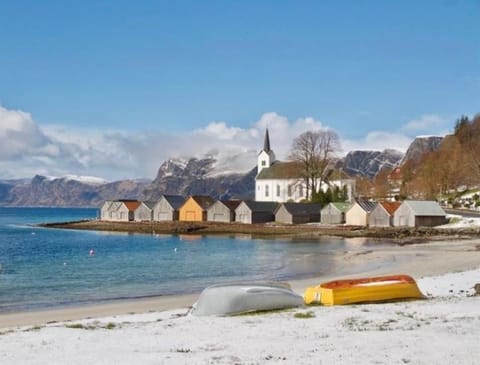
<point>364,290</point>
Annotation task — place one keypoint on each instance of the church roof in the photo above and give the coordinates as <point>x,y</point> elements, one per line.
<point>281,170</point>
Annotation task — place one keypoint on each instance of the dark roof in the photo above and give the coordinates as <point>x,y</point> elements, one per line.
<point>204,201</point>
<point>367,205</point>
<point>281,170</point>
<point>231,204</point>
<point>150,204</point>
<point>175,201</point>
<point>301,208</point>
<point>254,206</point>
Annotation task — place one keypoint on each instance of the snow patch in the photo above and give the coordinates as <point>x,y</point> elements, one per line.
<point>458,221</point>
<point>92,180</point>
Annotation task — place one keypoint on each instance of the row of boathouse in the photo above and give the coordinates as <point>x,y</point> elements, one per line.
<point>200,208</point>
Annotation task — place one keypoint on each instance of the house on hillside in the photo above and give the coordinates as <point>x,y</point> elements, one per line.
<point>334,213</point>
<point>297,213</point>
<point>282,181</point>
<point>167,208</point>
<point>382,214</point>
<point>195,208</point>
<point>358,213</point>
<point>418,213</point>
<point>222,211</point>
<point>395,179</point>
<point>144,212</point>
<point>255,212</point>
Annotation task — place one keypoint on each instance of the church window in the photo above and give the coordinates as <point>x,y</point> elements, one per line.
<point>289,191</point>
<point>300,190</point>
<point>278,189</point>
<point>264,162</point>
<point>266,190</point>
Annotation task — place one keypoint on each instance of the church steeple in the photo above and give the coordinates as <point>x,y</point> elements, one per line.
<point>266,157</point>
<point>266,142</point>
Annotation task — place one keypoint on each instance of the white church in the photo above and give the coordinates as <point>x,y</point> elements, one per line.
<point>280,181</point>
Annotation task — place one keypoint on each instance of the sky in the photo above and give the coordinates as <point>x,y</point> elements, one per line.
<point>114,88</point>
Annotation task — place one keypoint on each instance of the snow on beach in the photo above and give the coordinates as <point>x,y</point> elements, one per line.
<point>457,221</point>
<point>442,329</point>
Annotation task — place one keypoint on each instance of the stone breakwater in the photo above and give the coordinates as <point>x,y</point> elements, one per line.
<point>396,234</point>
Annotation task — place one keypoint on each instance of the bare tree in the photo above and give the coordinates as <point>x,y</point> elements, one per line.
<point>314,151</point>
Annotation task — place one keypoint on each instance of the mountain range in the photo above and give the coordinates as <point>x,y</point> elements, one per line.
<point>185,177</point>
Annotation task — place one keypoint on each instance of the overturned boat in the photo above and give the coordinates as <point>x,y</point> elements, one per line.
<point>364,290</point>
<point>231,299</point>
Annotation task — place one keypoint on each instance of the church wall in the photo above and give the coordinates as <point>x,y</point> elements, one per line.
<point>276,190</point>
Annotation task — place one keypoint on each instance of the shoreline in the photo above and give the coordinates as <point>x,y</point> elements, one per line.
<point>399,235</point>
<point>419,260</point>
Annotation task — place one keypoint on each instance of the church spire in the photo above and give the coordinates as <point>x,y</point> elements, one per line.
<point>266,142</point>
<point>266,157</point>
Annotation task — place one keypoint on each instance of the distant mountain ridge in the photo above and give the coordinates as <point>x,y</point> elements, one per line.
<point>67,192</point>
<point>419,147</point>
<point>369,163</point>
<point>193,176</point>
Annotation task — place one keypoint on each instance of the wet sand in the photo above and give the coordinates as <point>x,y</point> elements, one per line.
<point>418,260</point>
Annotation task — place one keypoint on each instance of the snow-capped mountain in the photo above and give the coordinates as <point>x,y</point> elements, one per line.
<point>369,163</point>
<point>200,177</point>
<point>220,176</point>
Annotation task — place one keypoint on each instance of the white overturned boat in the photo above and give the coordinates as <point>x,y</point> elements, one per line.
<point>230,299</point>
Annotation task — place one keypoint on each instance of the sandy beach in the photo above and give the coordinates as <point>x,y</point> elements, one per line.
<point>442,329</point>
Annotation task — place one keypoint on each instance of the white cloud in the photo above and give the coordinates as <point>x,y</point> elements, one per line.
<point>425,123</point>
<point>27,149</point>
<point>19,133</point>
<point>58,150</point>
<point>378,140</point>
<point>219,130</point>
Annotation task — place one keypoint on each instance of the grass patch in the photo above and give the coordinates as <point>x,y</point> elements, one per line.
<point>34,328</point>
<point>110,326</point>
<point>454,220</point>
<point>183,350</point>
<point>304,315</point>
<point>80,326</point>
<point>260,313</point>
<point>77,326</point>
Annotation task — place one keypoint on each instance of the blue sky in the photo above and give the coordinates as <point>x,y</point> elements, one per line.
<point>378,72</point>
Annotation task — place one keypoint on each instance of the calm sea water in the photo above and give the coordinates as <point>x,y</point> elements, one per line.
<point>41,267</point>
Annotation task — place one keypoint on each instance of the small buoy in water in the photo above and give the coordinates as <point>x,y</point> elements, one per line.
<point>91,252</point>
<point>64,264</point>
<point>33,233</point>
<point>175,249</point>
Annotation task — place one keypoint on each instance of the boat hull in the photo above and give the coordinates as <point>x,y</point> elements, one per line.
<point>364,290</point>
<point>231,299</point>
